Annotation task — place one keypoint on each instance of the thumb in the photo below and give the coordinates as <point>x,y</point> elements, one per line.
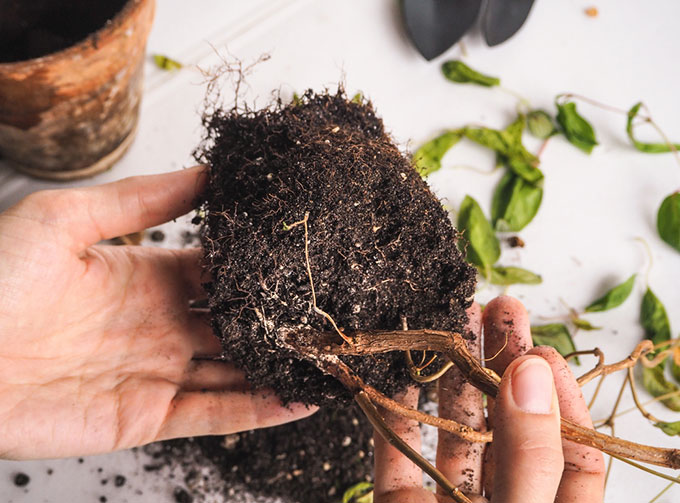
<point>526,445</point>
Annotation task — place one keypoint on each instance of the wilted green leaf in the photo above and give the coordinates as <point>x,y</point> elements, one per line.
<point>654,319</point>
<point>668,220</point>
<point>613,298</point>
<point>428,158</point>
<point>540,124</point>
<point>483,248</point>
<point>555,335</point>
<point>577,130</point>
<point>166,63</point>
<point>649,148</point>
<point>510,275</point>
<point>655,382</point>
<point>515,203</point>
<point>583,324</point>
<point>359,493</point>
<point>670,429</point>
<point>457,71</point>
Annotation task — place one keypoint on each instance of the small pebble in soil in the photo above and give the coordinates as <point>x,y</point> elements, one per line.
<point>181,496</point>
<point>21,479</point>
<point>119,481</point>
<point>157,236</point>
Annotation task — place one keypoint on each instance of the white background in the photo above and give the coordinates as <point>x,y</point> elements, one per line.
<point>582,240</point>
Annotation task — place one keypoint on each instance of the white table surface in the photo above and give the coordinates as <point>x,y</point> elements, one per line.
<point>582,240</point>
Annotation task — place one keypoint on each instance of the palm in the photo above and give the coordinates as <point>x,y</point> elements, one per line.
<point>97,348</point>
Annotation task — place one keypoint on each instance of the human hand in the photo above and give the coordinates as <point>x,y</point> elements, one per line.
<point>527,462</point>
<point>97,343</point>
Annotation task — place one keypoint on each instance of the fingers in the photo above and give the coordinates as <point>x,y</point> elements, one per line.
<point>507,332</point>
<point>527,445</point>
<point>584,472</point>
<point>459,460</point>
<point>204,343</point>
<point>208,375</point>
<point>393,471</point>
<point>88,215</point>
<point>507,335</point>
<point>220,413</point>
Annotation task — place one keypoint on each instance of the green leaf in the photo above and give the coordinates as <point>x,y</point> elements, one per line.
<point>670,429</point>
<point>483,248</point>
<point>457,71</point>
<point>613,298</point>
<point>668,220</point>
<point>655,382</point>
<point>648,148</point>
<point>540,124</point>
<point>515,203</point>
<point>166,63</point>
<point>358,98</point>
<point>428,158</point>
<point>555,335</point>
<point>577,130</point>
<point>359,493</point>
<point>582,324</point>
<point>510,275</point>
<point>654,319</point>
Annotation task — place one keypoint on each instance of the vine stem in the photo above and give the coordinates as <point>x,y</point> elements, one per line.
<point>322,349</point>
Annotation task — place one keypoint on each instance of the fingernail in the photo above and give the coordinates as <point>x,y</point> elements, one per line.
<point>532,386</point>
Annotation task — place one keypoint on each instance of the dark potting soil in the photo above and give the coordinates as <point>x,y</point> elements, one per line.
<point>30,29</point>
<point>381,247</point>
<point>314,460</point>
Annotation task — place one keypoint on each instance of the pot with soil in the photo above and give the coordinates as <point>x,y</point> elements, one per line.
<point>70,83</point>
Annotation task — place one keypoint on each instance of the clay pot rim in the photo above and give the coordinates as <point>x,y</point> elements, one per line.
<point>129,12</point>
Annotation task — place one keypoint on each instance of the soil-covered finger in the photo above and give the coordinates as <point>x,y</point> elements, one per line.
<point>207,375</point>
<point>584,471</point>
<point>507,332</point>
<point>459,460</point>
<point>393,470</point>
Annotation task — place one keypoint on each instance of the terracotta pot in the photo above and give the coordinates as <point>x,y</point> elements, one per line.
<point>73,113</point>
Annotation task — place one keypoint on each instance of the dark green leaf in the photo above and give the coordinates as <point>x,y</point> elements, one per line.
<point>655,382</point>
<point>670,429</point>
<point>457,71</point>
<point>483,248</point>
<point>577,130</point>
<point>515,203</point>
<point>165,63</point>
<point>582,324</point>
<point>428,158</point>
<point>502,18</point>
<point>510,275</point>
<point>540,124</point>
<point>668,220</point>
<point>648,148</point>
<point>555,335</point>
<point>654,319</point>
<point>613,298</point>
<point>359,493</point>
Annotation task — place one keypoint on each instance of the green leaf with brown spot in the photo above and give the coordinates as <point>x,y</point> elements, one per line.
<point>459,72</point>
<point>359,493</point>
<point>613,298</point>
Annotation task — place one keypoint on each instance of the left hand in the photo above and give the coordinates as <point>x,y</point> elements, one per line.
<point>97,343</point>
